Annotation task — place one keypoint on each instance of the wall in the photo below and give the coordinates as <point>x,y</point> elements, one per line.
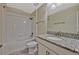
<point>40,20</point>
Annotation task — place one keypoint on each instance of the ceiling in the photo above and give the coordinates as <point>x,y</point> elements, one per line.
<point>31,7</point>
<point>27,7</point>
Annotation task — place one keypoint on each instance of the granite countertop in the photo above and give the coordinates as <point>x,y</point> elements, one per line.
<point>67,43</point>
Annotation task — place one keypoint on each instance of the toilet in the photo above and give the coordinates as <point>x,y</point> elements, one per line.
<point>31,46</point>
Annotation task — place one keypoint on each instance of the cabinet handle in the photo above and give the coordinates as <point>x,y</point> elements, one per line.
<point>47,53</point>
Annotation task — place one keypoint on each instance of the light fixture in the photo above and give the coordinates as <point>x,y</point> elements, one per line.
<point>53,6</point>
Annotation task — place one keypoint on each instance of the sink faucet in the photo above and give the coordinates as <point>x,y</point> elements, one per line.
<point>58,34</point>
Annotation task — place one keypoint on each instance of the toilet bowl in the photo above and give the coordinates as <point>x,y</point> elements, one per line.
<point>31,46</point>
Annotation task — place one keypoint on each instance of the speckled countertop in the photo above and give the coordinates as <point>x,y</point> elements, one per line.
<point>67,43</point>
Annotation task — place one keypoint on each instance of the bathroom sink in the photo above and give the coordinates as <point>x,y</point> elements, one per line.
<point>54,38</point>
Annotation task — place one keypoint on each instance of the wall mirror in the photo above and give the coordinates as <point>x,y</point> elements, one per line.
<point>63,17</point>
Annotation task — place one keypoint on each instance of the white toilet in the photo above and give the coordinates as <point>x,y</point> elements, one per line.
<point>31,46</point>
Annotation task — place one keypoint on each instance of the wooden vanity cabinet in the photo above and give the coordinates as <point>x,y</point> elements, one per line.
<point>47,48</point>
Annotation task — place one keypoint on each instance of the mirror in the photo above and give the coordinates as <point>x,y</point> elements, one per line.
<point>63,17</point>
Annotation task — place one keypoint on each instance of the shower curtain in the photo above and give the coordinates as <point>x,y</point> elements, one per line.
<point>18,30</point>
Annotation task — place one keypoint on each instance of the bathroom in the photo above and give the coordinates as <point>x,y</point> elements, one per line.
<point>39,29</point>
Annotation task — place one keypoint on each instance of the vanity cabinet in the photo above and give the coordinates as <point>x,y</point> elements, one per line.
<point>49,52</point>
<point>43,50</point>
<point>47,48</point>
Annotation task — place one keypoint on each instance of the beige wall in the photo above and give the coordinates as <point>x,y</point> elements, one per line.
<point>64,21</point>
<point>40,17</point>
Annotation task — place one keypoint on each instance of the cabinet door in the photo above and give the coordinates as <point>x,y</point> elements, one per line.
<point>41,49</point>
<point>49,52</point>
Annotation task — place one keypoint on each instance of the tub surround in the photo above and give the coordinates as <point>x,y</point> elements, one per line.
<point>66,43</point>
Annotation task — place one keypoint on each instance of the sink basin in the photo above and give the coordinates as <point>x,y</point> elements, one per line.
<point>54,38</point>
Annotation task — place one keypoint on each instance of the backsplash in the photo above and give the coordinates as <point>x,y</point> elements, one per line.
<point>69,35</point>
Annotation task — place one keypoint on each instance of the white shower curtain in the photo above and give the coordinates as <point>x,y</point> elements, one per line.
<point>18,30</point>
